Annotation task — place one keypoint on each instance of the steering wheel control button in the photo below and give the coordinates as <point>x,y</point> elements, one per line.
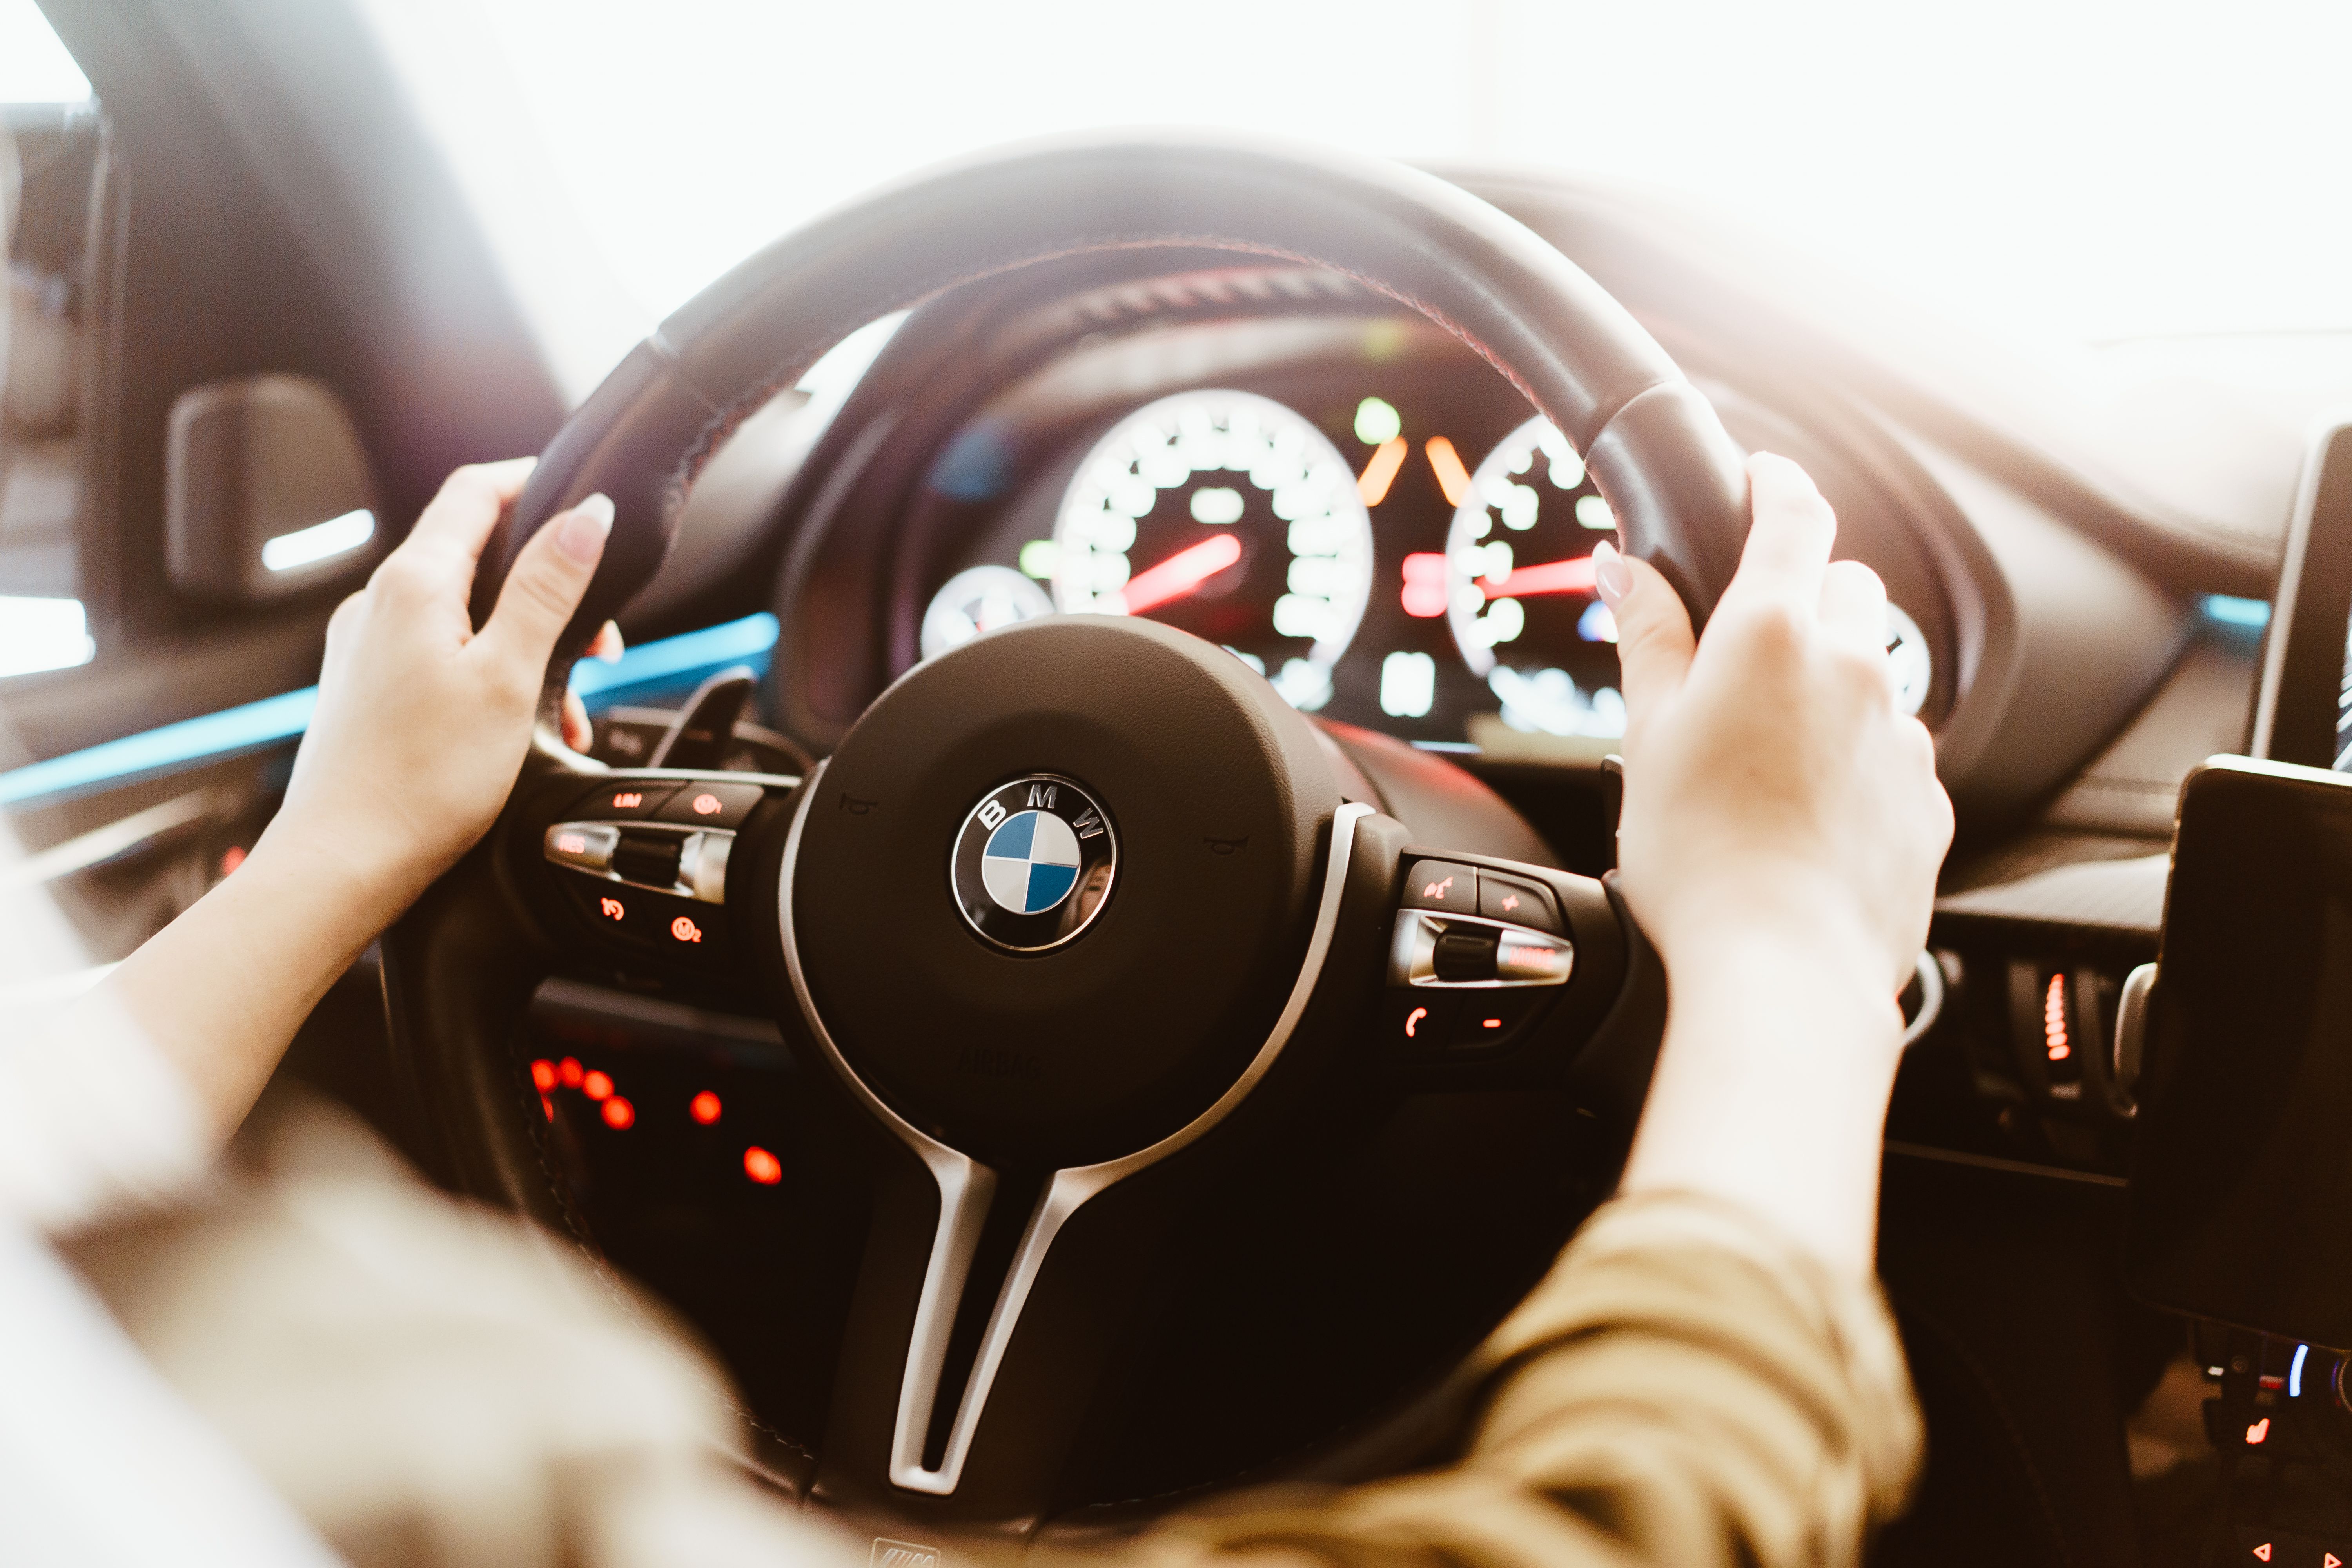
<point>1421,1023</point>
<point>1487,1021</point>
<point>1527,958</point>
<point>586,845</point>
<point>702,865</point>
<point>626,800</point>
<point>684,929</point>
<point>1033,863</point>
<point>711,804</point>
<point>1464,955</point>
<point>1470,952</point>
<point>648,859</point>
<point>1517,900</point>
<point>1441,885</point>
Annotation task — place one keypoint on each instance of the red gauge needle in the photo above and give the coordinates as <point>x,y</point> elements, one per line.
<point>1180,574</point>
<point>1552,577</point>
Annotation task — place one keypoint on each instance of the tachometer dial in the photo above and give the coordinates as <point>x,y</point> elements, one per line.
<point>1229,515</point>
<point>1519,592</point>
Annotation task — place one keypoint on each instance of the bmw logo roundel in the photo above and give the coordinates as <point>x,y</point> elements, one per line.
<point>1033,862</point>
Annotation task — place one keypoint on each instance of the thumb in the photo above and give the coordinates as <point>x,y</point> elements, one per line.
<point>1653,631</point>
<point>545,587</point>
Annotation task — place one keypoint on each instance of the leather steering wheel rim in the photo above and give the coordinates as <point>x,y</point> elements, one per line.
<point>1671,474</point>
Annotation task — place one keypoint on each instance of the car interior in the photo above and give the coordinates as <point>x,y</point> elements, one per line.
<point>776,1003</point>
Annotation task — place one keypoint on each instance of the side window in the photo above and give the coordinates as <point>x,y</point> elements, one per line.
<point>53,168</point>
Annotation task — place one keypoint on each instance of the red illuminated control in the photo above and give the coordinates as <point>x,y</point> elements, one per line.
<point>625,800</point>
<point>597,1086</point>
<point>1415,1019</point>
<point>762,1167</point>
<point>703,1107</point>
<point>2259,1431</point>
<point>543,1075</point>
<point>711,805</point>
<point>684,930</point>
<point>611,909</point>
<point>2262,1553</point>
<point>2053,1032</point>
<point>1424,584</point>
<point>1441,885</point>
<point>570,1072</point>
<point>619,1113</point>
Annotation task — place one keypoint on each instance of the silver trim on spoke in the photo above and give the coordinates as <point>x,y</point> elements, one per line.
<point>966,1186</point>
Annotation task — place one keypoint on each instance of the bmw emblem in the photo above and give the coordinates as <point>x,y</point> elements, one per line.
<point>1033,863</point>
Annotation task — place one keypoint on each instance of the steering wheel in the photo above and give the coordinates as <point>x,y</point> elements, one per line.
<point>1077,913</point>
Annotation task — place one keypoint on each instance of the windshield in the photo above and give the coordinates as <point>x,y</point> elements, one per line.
<point>2058,171</point>
<point>2065,171</point>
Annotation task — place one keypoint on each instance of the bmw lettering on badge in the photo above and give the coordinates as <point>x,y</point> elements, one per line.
<point>1034,863</point>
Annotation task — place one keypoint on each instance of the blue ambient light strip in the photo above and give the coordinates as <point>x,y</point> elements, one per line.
<point>281,718</point>
<point>2232,611</point>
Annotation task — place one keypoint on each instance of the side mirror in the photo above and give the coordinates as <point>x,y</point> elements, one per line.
<point>266,490</point>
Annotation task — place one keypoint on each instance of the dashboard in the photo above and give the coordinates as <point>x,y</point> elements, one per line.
<point>1348,500</point>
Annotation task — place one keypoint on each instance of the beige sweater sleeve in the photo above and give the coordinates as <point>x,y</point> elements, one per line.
<point>1684,1388</point>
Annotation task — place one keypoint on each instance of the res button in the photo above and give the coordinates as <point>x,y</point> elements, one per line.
<point>712,804</point>
<point>1441,885</point>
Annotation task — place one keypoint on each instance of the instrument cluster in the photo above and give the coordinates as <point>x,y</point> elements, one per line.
<point>1383,550</point>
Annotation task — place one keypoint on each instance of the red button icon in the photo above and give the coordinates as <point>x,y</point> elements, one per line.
<point>2259,1430</point>
<point>684,930</point>
<point>610,909</point>
<point>1412,1020</point>
<point>2262,1553</point>
<point>628,799</point>
<point>708,805</point>
<point>570,844</point>
<point>1438,889</point>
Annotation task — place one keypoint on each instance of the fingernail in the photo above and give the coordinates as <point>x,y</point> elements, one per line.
<point>1611,575</point>
<point>582,533</point>
<point>608,643</point>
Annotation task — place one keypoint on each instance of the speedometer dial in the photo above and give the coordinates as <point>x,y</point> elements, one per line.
<point>1229,515</point>
<point>1520,590</point>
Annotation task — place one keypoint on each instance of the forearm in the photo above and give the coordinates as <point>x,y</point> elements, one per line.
<point>220,992</point>
<point>1686,1387</point>
<point>1771,1089</point>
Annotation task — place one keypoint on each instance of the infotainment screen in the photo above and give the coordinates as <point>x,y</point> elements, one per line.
<point>2303,713</point>
<point>2240,1203</point>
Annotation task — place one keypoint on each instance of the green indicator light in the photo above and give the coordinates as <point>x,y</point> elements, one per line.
<point>1039,556</point>
<point>1377,422</point>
